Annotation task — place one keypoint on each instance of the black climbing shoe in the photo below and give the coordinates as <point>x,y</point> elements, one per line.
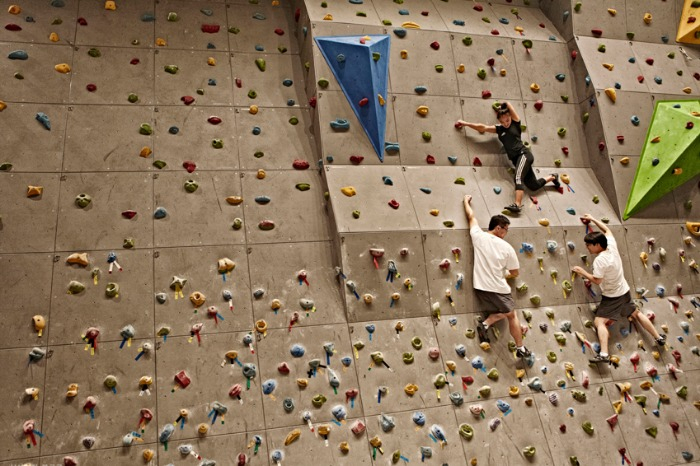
<point>514,208</point>
<point>481,331</point>
<point>599,358</point>
<point>522,353</point>
<point>661,341</point>
<point>555,181</point>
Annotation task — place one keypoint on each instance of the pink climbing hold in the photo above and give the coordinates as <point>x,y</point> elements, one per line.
<point>189,166</point>
<point>364,101</point>
<point>478,7</point>
<point>486,94</point>
<point>597,32</point>
<point>435,45</point>
<point>82,21</point>
<point>542,25</point>
<point>299,164</point>
<point>279,32</point>
<point>601,146</point>
<point>312,102</point>
<point>538,105</point>
<point>620,138</point>
<point>565,150</point>
<point>430,160</point>
<point>187,99</point>
<point>210,28</point>
<point>356,159</point>
<point>13,27</point>
<point>394,204</point>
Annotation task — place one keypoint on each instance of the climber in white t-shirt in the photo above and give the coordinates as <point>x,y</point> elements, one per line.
<point>494,261</point>
<point>609,275</point>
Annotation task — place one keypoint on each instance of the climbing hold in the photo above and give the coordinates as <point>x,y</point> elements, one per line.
<point>266,225</point>
<point>44,120</point>
<point>534,87</point>
<point>160,213</point>
<point>611,93</point>
<point>18,55</point>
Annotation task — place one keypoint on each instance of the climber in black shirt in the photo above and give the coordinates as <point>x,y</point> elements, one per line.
<point>520,156</point>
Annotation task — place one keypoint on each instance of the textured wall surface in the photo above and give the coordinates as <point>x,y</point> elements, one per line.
<point>195,126</point>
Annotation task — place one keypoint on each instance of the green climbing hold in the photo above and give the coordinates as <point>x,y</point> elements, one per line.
<point>448,223</point>
<point>596,199</point>
<point>588,427</point>
<point>486,19</point>
<point>408,358</point>
<point>481,73</point>
<point>376,56</point>
<point>93,52</point>
<point>493,374</point>
<point>200,91</point>
<point>551,356</point>
<point>386,22</point>
<point>146,129</point>
<point>601,48</point>
<point>630,35</point>
<point>323,83</point>
<point>172,17</point>
<point>234,30</point>
<point>159,164</point>
<point>529,451</point>
<point>466,431</point>
<point>172,69</point>
<point>18,75</point>
<point>535,300</point>
<point>191,186</point>
<point>467,40</point>
<point>426,136</point>
<point>217,143</point>
<point>361,14</point>
<point>75,287</point>
<point>282,49</point>
<point>237,223</point>
<point>303,186</point>
<point>133,98</point>
<point>439,68</point>
<point>355,214</point>
<point>585,117</point>
<point>416,342</point>
<point>294,121</point>
<point>577,7</point>
<point>460,180</point>
<point>252,94</point>
<point>260,63</point>
<point>652,431</point>
<point>258,154</point>
<point>561,132</point>
<point>565,98</point>
<point>687,205</point>
<point>5,167</point>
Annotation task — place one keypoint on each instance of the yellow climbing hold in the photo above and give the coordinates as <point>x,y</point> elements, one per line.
<point>687,90</point>
<point>404,54</point>
<point>328,17</point>
<point>253,110</point>
<point>211,61</point>
<point>292,436</point>
<point>625,160</point>
<point>612,11</point>
<point>519,29</point>
<point>261,174</point>
<point>565,178</point>
<point>3,105</point>
<point>503,71</point>
<point>381,100</point>
<point>110,5</point>
<point>513,391</point>
<point>647,18</point>
<point>608,66</point>
<point>461,68</point>
<point>544,222</point>
<point>534,87</point>
<point>422,110</point>
<point>62,68</point>
<point>148,455</point>
<point>694,229</point>
<point>410,25</point>
<point>14,10</point>
<point>349,191</point>
<point>410,389</point>
<point>434,212</point>
<point>486,346</point>
<point>53,37</point>
<point>234,200</point>
<point>34,191</point>
<point>160,42</point>
<point>612,95</point>
<point>145,151</point>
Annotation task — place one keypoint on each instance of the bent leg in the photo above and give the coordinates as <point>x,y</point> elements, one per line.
<point>531,181</point>
<point>494,317</point>
<point>603,334</point>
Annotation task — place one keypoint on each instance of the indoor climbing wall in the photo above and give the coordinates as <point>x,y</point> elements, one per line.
<point>233,232</point>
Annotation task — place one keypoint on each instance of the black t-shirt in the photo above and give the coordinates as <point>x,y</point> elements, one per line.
<point>510,138</point>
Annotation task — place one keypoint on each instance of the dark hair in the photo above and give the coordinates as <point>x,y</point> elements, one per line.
<point>596,238</point>
<point>498,221</point>
<point>502,110</point>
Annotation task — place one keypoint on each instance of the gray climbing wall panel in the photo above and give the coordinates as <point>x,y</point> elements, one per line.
<point>251,140</point>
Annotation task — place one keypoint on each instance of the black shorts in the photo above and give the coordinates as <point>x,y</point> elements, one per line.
<point>615,308</point>
<point>495,303</point>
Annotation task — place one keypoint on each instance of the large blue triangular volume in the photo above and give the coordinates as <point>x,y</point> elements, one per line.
<point>360,76</point>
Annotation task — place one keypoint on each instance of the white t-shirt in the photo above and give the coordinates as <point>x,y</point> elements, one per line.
<point>493,258</point>
<point>608,266</point>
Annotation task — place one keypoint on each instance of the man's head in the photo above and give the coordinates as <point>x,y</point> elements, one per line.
<point>596,242</point>
<point>499,225</point>
<point>503,116</point>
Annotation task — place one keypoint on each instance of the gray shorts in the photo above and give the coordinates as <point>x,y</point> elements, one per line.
<point>495,303</point>
<point>615,308</point>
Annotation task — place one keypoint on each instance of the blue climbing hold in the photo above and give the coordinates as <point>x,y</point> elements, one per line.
<point>452,159</point>
<point>287,82</point>
<point>259,48</point>
<point>173,130</point>
<point>503,20</point>
<point>588,81</point>
<point>291,102</point>
<point>400,32</point>
<point>458,22</point>
<point>419,418</point>
<point>58,3</point>
<point>387,180</point>
<point>571,211</point>
<point>148,17</point>
<point>340,124</point>
<point>211,46</point>
<point>18,55</point>
<point>297,350</point>
<point>256,130</point>
<point>160,213</point>
<point>346,361</point>
<point>618,86</point>
<point>632,59</point>
<point>329,159</point>
<point>658,80</point>
<point>426,190</point>
<point>420,89</point>
<point>340,58</point>
<point>259,16</point>
<point>212,82</point>
<point>391,147</point>
<point>43,118</point>
<point>497,189</point>
<point>404,12</point>
<point>635,120</point>
<point>269,386</point>
<point>262,200</point>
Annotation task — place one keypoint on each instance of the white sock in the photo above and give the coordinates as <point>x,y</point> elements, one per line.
<point>603,355</point>
<point>486,326</point>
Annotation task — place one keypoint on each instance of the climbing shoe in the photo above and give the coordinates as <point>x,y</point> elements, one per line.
<point>661,341</point>
<point>522,353</point>
<point>599,358</point>
<point>555,181</point>
<point>481,332</point>
<point>514,208</point>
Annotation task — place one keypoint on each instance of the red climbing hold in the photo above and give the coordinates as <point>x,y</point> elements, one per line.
<point>394,204</point>
<point>601,146</point>
<point>299,164</point>
<point>562,428</point>
<point>297,14</point>
<point>312,102</point>
<point>650,61</point>
<point>620,138</point>
<point>542,25</point>
<point>189,166</point>
<point>689,125</point>
<point>476,162</point>
<point>364,101</point>
<point>214,120</point>
<point>494,32</point>
<point>91,88</point>
<point>478,7</point>
<point>182,379</point>
<point>279,32</point>
<point>187,99</point>
<point>129,214</point>
<point>486,94</point>
<point>135,61</point>
<point>425,13</point>
<point>210,28</point>
<point>574,54</point>
<point>435,45</point>
<point>565,150</point>
<point>82,21</point>
<point>13,27</point>
<point>696,76</point>
<point>430,160</point>
<point>239,83</point>
<point>597,32</point>
<point>491,61</point>
<point>538,105</point>
<point>356,159</point>
<point>640,79</point>
<point>691,19</point>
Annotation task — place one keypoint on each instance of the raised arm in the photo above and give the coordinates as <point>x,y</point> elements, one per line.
<point>603,228</point>
<point>471,218</point>
<point>513,114</point>
<point>480,127</point>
